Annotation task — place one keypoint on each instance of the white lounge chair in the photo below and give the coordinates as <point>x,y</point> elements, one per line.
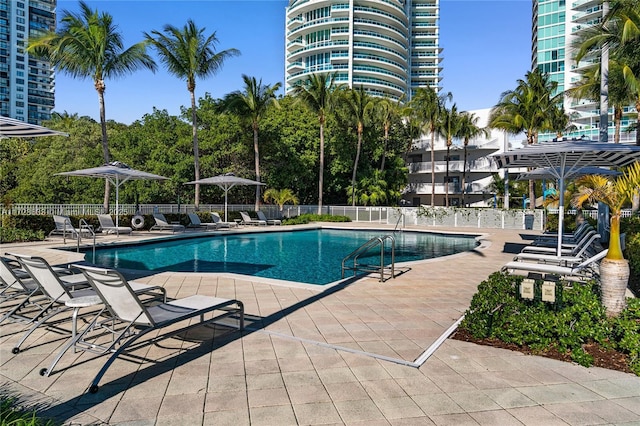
<point>23,294</point>
<point>64,227</point>
<point>163,225</point>
<point>108,227</point>
<point>220,223</point>
<point>133,320</point>
<point>261,216</point>
<point>590,241</point>
<point>247,220</point>
<point>60,289</point>
<point>196,223</point>
<point>580,272</point>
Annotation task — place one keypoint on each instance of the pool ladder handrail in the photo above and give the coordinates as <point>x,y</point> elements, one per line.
<point>364,248</point>
<point>89,228</point>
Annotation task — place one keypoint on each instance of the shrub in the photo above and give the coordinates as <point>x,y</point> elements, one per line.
<point>15,235</point>
<point>11,413</point>
<point>626,333</point>
<point>498,312</point>
<point>310,217</point>
<point>631,228</point>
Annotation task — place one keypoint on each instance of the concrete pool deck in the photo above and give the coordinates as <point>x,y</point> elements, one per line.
<point>347,354</point>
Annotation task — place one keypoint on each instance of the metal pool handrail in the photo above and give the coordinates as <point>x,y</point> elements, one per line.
<point>364,248</point>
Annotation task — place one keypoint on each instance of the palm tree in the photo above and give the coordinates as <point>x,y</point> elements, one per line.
<point>614,269</point>
<point>319,93</point>
<point>428,107</point>
<point>359,105</point>
<point>619,33</point>
<point>280,197</point>
<point>528,108</point>
<point>253,103</point>
<point>387,111</point>
<point>88,45</point>
<point>468,130</point>
<point>187,53</point>
<point>588,87</point>
<point>449,128</point>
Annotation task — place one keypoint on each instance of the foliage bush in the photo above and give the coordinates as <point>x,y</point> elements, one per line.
<point>15,235</point>
<point>498,312</point>
<point>569,223</point>
<point>311,217</point>
<point>631,228</point>
<point>12,414</point>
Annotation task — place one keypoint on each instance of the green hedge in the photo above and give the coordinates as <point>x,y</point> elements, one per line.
<point>631,228</point>
<point>310,217</point>
<point>498,312</point>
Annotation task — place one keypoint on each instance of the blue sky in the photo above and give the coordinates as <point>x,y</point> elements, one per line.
<point>487,47</point>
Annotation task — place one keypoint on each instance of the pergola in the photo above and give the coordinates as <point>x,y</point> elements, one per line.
<point>12,128</point>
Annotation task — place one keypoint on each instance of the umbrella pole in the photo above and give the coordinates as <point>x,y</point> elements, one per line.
<point>117,207</point>
<point>561,212</point>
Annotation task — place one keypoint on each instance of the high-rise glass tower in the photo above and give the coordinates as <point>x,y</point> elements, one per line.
<point>26,84</point>
<point>390,47</point>
<point>557,25</point>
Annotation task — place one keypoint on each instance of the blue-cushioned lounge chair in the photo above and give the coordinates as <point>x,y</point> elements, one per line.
<point>163,225</point>
<point>261,216</point>
<point>134,320</point>
<point>196,223</point>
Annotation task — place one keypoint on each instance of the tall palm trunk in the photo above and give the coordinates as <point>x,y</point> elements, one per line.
<point>100,87</point>
<point>617,118</point>
<point>196,150</point>
<point>433,167</point>
<point>446,183</point>
<point>384,149</point>
<point>321,174</point>
<point>355,166</point>
<point>256,160</point>
<point>638,121</point>
<point>464,174</point>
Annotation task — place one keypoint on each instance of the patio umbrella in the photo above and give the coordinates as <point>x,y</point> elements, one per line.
<point>549,173</point>
<point>226,182</point>
<point>117,173</point>
<point>12,128</point>
<point>565,159</point>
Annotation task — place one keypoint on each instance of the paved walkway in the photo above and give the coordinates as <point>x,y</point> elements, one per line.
<point>349,354</point>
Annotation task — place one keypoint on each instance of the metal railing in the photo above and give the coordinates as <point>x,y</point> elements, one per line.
<point>366,248</point>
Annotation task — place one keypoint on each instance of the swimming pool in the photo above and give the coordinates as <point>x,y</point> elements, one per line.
<point>307,256</point>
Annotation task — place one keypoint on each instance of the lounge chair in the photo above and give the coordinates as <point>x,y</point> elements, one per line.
<point>220,223</point>
<point>196,223</point>
<point>59,290</point>
<point>133,320</point>
<point>576,255</point>
<point>590,241</point>
<point>64,227</point>
<point>261,216</point>
<point>108,227</point>
<point>247,220</point>
<point>580,272</point>
<point>23,294</point>
<point>163,225</point>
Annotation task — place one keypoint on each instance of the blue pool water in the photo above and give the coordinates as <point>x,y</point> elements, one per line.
<point>310,256</point>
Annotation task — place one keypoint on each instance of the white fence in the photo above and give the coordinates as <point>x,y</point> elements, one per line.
<point>452,217</point>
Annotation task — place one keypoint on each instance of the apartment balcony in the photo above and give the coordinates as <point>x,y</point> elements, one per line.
<point>484,165</point>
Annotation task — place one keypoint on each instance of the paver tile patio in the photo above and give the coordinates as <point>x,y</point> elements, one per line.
<point>312,355</point>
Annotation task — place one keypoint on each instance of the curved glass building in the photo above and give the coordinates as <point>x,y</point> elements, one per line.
<point>390,47</point>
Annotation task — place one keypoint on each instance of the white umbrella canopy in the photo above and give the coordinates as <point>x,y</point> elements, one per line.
<point>12,128</point>
<point>565,159</point>
<point>226,182</point>
<point>117,173</point>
